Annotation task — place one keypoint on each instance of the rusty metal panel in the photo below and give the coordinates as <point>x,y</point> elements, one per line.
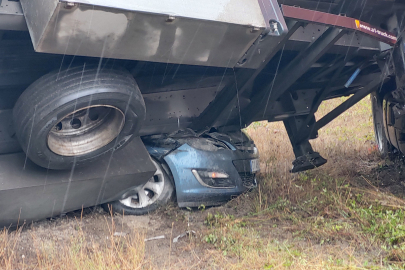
<point>209,33</point>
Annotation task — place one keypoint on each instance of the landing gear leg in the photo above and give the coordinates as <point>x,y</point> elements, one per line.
<point>306,158</point>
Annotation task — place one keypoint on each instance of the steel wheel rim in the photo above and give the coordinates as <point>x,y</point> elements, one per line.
<point>86,130</point>
<point>149,193</point>
<point>378,126</point>
<point>379,138</point>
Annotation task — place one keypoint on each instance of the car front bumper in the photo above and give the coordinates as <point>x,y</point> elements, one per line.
<point>191,193</point>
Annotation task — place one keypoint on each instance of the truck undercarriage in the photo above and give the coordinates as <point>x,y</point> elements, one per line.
<point>200,71</point>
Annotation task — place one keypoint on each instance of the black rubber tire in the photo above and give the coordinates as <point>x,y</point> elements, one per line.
<point>60,93</point>
<point>384,146</point>
<point>163,199</point>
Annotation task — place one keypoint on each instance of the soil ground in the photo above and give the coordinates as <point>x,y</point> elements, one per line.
<point>170,222</point>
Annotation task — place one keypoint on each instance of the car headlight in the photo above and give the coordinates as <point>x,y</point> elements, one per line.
<point>213,179</point>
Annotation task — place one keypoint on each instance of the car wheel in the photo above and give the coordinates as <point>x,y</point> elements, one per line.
<point>156,192</point>
<point>76,116</point>
<point>384,146</point>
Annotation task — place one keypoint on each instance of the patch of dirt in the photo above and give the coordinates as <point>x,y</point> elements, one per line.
<point>390,176</point>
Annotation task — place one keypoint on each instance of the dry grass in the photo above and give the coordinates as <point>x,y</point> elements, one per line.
<point>80,251</point>
<point>333,217</point>
<point>349,137</point>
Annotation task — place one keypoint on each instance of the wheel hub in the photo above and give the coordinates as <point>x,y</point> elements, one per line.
<point>86,130</point>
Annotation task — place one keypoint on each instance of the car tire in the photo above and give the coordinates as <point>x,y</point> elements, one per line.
<point>384,146</point>
<point>158,191</point>
<point>60,113</point>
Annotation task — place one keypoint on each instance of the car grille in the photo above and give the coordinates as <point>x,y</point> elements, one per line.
<point>248,179</point>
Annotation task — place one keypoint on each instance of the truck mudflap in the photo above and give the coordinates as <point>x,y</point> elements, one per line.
<point>29,192</point>
<point>208,33</point>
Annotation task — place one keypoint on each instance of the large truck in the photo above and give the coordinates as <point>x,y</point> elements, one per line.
<point>81,81</point>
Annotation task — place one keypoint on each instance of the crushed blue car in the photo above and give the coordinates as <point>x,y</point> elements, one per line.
<point>208,168</point>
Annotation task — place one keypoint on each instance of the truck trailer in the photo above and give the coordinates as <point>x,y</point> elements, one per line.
<point>84,82</point>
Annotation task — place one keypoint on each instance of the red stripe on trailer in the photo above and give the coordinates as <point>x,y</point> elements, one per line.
<point>308,15</point>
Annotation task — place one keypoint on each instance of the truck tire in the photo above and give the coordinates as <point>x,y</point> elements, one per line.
<point>384,146</point>
<point>158,191</point>
<point>75,116</point>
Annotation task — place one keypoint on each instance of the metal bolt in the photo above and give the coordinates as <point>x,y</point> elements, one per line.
<point>70,5</point>
<point>170,19</point>
<point>273,27</point>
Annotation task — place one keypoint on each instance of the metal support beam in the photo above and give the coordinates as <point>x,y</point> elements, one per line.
<point>306,129</point>
<point>293,126</point>
<point>228,94</point>
<point>348,104</point>
<point>327,69</point>
<point>298,67</point>
<point>398,57</point>
<point>306,158</point>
